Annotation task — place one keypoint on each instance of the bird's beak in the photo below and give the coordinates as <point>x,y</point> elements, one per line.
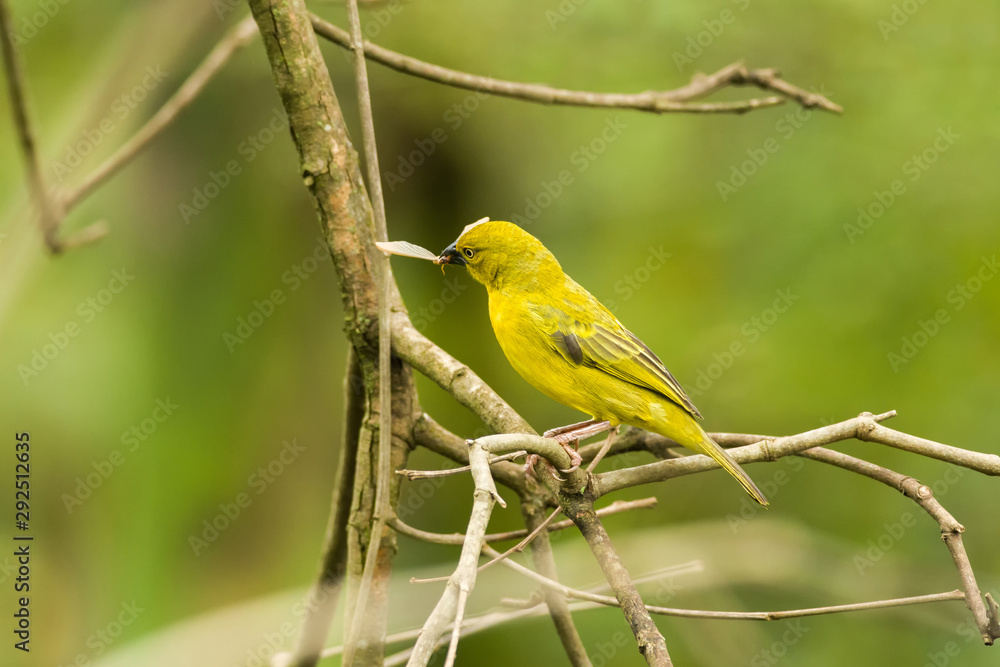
<point>451,255</point>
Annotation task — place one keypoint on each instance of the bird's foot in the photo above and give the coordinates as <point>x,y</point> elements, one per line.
<point>569,437</point>
<point>532,461</point>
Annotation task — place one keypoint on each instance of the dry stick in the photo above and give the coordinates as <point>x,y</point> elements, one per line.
<point>557,605</point>
<point>464,577</point>
<point>236,38</point>
<point>456,632</point>
<point>492,619</point>
<point>471,391</point>
<point>690,567</point>
<point>648,637</point>
<point>728,615</point>
<point>458,539</point>
<point>866,427</point>
<point>428,433</point>
<point>383,507</point>
<point>331,173</point>
<point>766,450</point>
<point>988,464</point>
<point>48,213</point>
<point>326,589</point>
<point>951,530</point>
<point>517,548</point>
<point>413,475</point>
<point>652,101</point>
<point>455,378</point>
<point>466,387</point>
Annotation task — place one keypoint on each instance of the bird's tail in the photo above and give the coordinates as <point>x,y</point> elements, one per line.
<point>711,448</point>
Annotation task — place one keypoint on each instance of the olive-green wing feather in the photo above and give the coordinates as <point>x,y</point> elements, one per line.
<point>589,335</point>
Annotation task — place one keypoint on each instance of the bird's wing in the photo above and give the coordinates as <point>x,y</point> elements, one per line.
<point>591,336</point>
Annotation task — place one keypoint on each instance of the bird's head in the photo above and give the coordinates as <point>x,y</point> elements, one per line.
<point>502,255</point>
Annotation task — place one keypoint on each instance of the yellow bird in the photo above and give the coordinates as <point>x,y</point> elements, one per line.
<point>563,341</point>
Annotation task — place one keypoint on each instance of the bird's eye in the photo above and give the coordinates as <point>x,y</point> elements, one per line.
<point>469,252</point>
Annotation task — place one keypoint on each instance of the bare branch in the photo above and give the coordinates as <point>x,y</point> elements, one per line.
<point>532,510</point>
<point>448,472</point>
<point>383,274</point>
<point>464,577</point>
<point>428,433</point>
<point>951,530</point>
<point>235,39</point>
<point>988,464</point>
<point>728,615</point>
<point>458,539</point>
<point>323,596</point>
<point>455,378</point>
<point>651,644</point>
<point>652,101</point>
<point>48,212</point>
<point>766,450</point>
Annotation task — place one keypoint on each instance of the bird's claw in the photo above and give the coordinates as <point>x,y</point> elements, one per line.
<point>533,459</point>
<point>574,458</point>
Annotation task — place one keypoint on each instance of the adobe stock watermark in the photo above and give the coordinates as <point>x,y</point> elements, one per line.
<point>785,128</point>
<point>131,440</point>
<point>247,150</point>
<point>88,310</point>
<point>562,12</point>
<point>896,530</point>
<point>958,297</point>
<point>913,169</point>
<point>267,652</point>
<point>454,117</point>
<point>121,108</point>
<point>666,589</point>
<point>102,639</point>
<point>951,649</point>
<point>751,331</point>
<point>580,160</point>
<point>33,21</point>
<point>258,482</point>
<point>898,17</point>
<point>773,654</point>
<point>634,280</point>
<point>262,310</point>
<point>770,487</point>
<point>423,316</point>
<point>697,44</point>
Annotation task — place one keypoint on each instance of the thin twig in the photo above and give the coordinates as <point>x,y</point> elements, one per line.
<point>458,539</point>
<point>465,573</point>
<point>236,38</point>
<point>325,591</point>
<point>517,548</point>
<point>532,509</point>
<point>951,530</point>
<point>428,433</point>
<point>456,632</point>
<point>766,450</point>
<point>988,464</point>
<point>649,639</point>
<point>728,615</point>
<point>455,378</point>
<point>413,475</point>
<point>652,101</point>
<point>606,446</point>
<point>383,274</point>
<point>48,212</point>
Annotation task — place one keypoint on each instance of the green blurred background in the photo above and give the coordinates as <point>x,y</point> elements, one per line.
<point>686,263</point>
